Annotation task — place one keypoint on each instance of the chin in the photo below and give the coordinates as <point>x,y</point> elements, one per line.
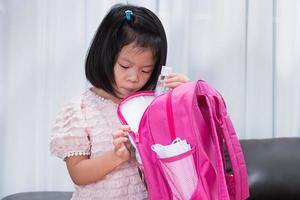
<point>125,92</point>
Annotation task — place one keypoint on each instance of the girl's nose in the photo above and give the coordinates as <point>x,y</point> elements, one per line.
<point>133,77</point>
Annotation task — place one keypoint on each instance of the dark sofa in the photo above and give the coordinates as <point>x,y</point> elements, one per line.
<point>273,167</point>
<point>273,171</point>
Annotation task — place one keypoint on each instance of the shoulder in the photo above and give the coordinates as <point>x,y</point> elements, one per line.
<point>77,103</point>
<point>69,135</point>
<point>70,113</point>
<point>72,105</point>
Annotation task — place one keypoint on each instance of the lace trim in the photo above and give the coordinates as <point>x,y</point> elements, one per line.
<point>76,153</point>
<point>97,98</point>
<point>100,98</point>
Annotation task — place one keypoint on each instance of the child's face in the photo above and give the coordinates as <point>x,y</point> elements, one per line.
<point>133,69</point>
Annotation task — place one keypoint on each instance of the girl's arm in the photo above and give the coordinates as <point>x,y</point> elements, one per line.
<point>84,170</point>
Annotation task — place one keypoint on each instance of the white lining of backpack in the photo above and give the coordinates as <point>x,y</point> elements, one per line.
<point>133,110</point>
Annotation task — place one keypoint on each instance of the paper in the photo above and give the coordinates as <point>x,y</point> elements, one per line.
<point>177,147</point>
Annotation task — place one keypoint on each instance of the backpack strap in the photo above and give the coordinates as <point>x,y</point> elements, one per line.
<point>234,149</point>
<point>233,141</point>
<point>218,108</point>
<point>217,141</point>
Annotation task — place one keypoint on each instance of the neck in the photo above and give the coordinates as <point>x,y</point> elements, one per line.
<point>106,95</point>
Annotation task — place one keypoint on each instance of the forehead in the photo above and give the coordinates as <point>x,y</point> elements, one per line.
<point>136,55</point>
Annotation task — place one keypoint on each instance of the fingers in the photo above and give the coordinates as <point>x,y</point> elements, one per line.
<point>128,145</point>
<point>173,84</point>
<point>118,142</point>
<point>177,78</point>
<point>174,80</point>
<point>119,133</point>
<point>122,132</point>
<point>125,128</point>
<point>120,136</point>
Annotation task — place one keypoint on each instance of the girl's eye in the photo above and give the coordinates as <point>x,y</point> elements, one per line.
<point>146,72</point>
<point>123,66</point>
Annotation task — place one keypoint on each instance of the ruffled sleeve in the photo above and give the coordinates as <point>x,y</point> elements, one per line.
<point>69,133</point>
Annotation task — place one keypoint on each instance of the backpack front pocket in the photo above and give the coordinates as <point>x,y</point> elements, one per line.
<point>181,175</point>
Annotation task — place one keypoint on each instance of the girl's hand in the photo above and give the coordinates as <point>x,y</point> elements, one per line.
<point>122,143</point>
<point>174,80</point>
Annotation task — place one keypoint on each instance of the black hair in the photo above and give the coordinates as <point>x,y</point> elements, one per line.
<point>144,29</point>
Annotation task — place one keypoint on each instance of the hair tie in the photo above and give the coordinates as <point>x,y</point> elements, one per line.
<point>128,15</point>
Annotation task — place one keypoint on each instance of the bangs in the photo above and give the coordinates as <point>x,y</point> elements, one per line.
<point>148,40</point>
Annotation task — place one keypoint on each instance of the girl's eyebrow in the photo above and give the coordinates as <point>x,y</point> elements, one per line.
<point>125,59</point>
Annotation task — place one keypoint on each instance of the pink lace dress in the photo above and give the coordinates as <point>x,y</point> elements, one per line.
<point>84,126</point>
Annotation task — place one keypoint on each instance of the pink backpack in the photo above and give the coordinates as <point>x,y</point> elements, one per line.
<point>196,113</point>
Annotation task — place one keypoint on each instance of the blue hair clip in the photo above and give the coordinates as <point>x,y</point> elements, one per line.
<point>128,15</point>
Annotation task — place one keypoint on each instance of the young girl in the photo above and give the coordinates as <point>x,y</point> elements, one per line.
<point>126,56</point>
